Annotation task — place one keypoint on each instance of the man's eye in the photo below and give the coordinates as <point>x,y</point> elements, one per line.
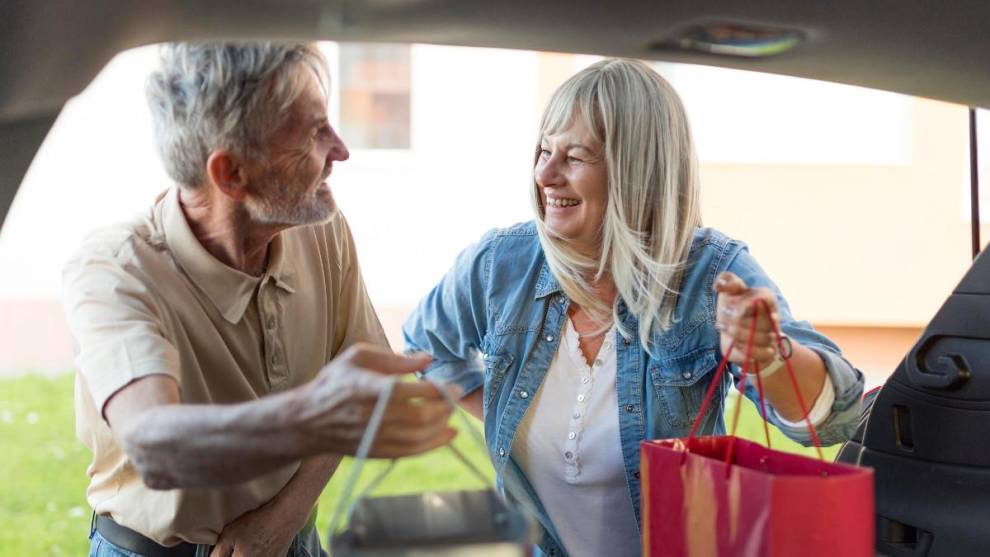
<point>573,159</point>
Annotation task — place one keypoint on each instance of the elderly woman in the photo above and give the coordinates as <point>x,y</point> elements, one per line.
<point>601,322</point>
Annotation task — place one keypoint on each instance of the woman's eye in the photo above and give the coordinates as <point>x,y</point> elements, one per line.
<point>544,153</point>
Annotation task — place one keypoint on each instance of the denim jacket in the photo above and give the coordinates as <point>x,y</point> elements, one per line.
<point>496,318</point>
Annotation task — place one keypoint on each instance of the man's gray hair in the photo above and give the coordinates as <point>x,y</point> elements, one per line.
<point>208,96</point>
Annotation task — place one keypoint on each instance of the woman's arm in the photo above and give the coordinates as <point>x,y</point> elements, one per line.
<point>450,324</point>
<point>735,319</point>
<point>814,357</point>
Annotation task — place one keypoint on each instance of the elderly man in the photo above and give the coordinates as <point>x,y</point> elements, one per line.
<point>203,325</point>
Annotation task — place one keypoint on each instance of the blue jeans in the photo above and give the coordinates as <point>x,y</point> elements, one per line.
<point>305,544</point>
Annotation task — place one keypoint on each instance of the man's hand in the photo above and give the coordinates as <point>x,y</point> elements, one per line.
<point>335,407</point>
<point>734,319</point>
<point>263,532</point>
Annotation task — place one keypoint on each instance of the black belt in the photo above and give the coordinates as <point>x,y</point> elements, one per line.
<point>128,539</point>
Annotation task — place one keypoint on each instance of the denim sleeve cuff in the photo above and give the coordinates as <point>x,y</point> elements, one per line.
<point>469,376</point>
<point>841,423</point>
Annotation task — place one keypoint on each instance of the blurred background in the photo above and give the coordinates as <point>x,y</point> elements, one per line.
<point>855,201</point>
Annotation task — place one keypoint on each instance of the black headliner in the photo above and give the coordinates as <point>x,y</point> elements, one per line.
<point>51,49</point>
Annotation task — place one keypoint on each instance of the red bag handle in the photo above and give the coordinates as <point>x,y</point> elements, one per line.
<point>723,364</point>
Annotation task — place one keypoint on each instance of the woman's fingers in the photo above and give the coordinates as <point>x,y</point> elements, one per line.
<point>729,283</point>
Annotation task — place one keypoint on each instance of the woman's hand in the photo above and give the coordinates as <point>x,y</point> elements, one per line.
<point>734,315</point>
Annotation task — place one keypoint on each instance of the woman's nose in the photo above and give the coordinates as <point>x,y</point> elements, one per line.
<point>547,172</point>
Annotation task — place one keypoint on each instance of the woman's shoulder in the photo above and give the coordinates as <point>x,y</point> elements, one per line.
<point>519,238</point>
<point>712,240</point>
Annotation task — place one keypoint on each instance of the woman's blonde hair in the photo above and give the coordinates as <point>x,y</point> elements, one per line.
<point>653,198</point>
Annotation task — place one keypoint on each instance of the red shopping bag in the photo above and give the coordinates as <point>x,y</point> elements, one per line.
<point>721,496</point>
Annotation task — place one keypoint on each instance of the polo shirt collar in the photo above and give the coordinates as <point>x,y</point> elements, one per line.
<point>228,289</point>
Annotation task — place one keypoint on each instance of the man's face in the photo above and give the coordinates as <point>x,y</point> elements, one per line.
<point>291,187</point>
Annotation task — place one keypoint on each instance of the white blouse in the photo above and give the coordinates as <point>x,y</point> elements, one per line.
<point>568,447</point>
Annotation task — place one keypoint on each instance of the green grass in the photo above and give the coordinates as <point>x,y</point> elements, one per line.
<point>43,480</point>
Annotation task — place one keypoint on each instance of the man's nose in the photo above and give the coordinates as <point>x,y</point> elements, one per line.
<point>338,150</point>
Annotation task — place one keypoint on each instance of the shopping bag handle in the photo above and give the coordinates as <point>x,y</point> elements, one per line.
<point>723,365</point>
<point>367,441</point>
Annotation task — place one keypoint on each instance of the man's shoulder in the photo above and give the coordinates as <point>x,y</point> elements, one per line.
<point>121,242</point>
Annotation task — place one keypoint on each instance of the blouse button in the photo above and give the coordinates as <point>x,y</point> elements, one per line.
<point>598,363</point>
<point>580,398</point>
<point>576,415</point>
<point>585,380</point>
<point>608,345</point>
<point>571,435</point>
<point>568,455</point>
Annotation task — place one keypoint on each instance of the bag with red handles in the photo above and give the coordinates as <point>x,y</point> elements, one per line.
<point>722,495</point>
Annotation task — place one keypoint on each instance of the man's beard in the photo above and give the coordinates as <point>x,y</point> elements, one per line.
<point>283,201</point>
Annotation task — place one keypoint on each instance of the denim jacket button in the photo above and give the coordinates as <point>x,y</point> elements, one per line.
<point>636,474</point>
<point>630,408</point>
<point>626,341</point>
<point>686,375</point>
<point>501,452</point>
<point>549,338</point>
<point>523,394</point>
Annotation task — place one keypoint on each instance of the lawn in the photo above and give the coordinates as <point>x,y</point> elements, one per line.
<point>43,510</point>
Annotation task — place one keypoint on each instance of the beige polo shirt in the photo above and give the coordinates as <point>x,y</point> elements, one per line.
<point>146,298</point>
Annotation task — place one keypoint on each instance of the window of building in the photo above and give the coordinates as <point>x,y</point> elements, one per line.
<point>374,95</point>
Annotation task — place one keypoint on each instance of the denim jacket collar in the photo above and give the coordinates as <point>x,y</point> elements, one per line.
<point>547,283</point>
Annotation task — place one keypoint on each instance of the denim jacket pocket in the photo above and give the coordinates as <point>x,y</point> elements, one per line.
<point>496,366</point>
<point>679,386</point>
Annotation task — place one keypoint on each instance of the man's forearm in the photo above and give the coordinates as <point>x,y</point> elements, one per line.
<point>299,496</point>
<point>185,445</point>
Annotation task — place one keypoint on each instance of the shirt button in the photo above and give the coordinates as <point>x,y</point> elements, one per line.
<point>523,394</point>
<point>549,338</point>
<point>580,398</point>
<point>585,380</point>
<point>271,322</point>
<point>571,435</point>
<point>686,375</point>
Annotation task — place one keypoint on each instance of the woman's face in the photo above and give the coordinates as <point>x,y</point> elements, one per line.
<point>573,184</point>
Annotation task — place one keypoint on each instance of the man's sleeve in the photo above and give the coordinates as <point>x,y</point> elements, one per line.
<point>116,324</point>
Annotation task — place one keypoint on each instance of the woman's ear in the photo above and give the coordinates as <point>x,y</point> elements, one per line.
<point>227,173</point>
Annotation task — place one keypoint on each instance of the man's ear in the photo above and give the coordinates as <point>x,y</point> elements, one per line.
<point>225,170</point>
